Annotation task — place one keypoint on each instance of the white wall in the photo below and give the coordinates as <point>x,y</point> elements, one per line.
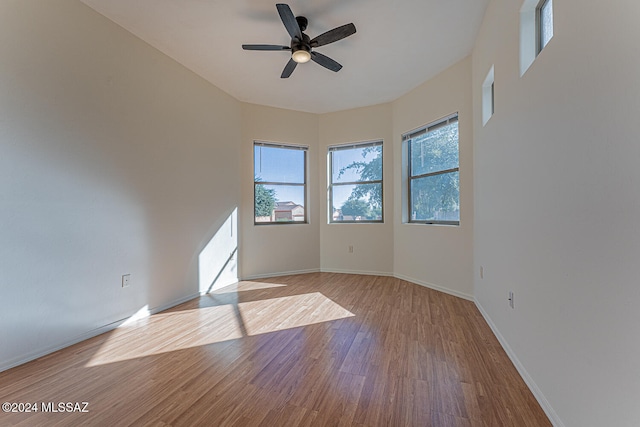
<point>278,248</point>
<point>434,255</point>
<point>372,243</point>
<point>557,206</point>
<point>114,159</point>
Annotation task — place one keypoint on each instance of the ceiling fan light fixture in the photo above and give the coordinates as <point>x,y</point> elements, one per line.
<point>301,56</point>
<point>301,45</point>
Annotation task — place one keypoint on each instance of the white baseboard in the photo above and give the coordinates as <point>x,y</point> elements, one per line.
<point>537,393</point>
<point>364,273</point>
<point>85,336</point>
<point>278,274</point>
<point>435,287</point>
<point>174,303</point>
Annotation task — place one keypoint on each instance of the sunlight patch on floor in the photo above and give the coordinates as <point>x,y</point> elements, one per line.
<point>246,286</point>
<point>143,313</point>
<point>260,317</point>
<point>179,330</point>
<point>162,333</point>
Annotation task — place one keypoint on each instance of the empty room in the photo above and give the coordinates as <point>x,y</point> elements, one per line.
<point>319,213</point>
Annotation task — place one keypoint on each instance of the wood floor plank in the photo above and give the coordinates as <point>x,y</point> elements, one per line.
<point>321,349</point>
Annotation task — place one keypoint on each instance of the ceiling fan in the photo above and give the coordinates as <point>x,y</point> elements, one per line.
<point>301,45</point>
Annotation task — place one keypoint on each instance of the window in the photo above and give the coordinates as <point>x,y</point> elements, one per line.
<point>488,103</point>
<point>355,182</point>
<point>536,30</point>
<point>544,23</point>
<point>433,173</point>
<point>280,184</point>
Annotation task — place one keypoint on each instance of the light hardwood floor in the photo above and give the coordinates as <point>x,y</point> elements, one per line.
<point>315,349</point>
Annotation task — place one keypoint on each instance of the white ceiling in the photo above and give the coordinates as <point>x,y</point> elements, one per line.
<point>398,45</point>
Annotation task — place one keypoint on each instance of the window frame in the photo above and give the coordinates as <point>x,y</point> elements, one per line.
<point>350,146</point>
<point>530,32</point>
<point>488,96</point>
<point>406,138</point>
<point>493,99</point>
<point>539,23</point>
<point>305,150</point>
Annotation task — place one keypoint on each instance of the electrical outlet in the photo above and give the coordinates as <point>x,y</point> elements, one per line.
<point>350,249</point>
<point>126,280</point>
<point>511,300</point>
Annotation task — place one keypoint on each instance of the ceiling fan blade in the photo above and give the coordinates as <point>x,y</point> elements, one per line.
<point>334,35</point>
<point>289,21</point>
<point>325,61</point>
<point>264,47</point>
<point>288,69</point>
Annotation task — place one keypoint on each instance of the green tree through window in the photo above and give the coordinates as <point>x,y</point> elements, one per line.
<point>369,171</point>
<point>280,183</point>
<point>356,208</point>
<point>356,182</point>
<point>265,199</point>
<point>434,182</point>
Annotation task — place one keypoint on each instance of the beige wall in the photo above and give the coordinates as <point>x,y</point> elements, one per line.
<point>278,249</point>
<point>114,159</point>
<point>437,256</point>
<point>372,243</point>
<point>117,160</point>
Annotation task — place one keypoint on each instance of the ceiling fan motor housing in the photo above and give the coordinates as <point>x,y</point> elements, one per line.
<point>304,44</point>
<point>302,22</point>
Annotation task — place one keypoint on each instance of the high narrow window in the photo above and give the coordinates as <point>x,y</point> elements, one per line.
<point>488,102</point>
<point>536,30</point>
<point>545,23</point>
<point>493,99</point>
<point>280,184</point>
<point>433,173</point>
<point>355,182</point>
